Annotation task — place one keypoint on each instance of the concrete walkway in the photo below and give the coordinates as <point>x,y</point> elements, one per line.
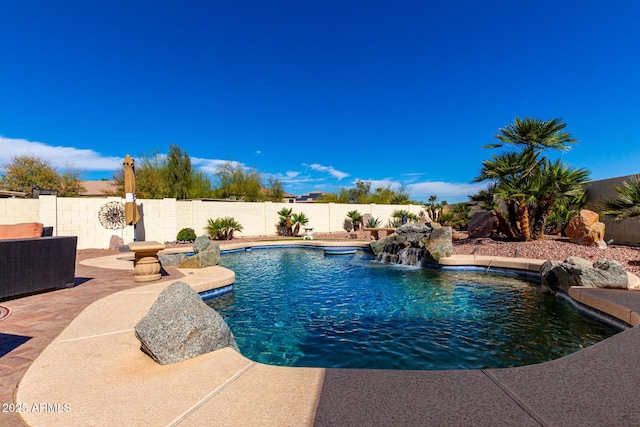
<point>93,373</point>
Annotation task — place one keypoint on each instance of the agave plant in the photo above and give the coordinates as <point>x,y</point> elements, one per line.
<point>373,222</point>
<point>297,220</point>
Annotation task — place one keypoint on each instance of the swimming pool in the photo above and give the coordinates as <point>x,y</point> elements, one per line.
<point>298,307</point>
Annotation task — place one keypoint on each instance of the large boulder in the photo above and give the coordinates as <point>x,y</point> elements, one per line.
<point>438,244</point>
<point>180,326</point>
<point>206,253</point>
<point>575,271</point>
<point>586,229</point>
<point>483,224</point>
<point>415,244</point>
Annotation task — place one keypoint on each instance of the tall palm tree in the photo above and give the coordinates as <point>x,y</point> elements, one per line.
<point>535,133</point>
<point>523,179</point>
<point>627,203</point>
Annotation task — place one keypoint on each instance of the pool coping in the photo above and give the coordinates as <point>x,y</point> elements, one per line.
<point>95,366</point>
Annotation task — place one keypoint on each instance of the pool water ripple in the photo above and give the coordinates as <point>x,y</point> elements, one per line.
<point>298,307</point>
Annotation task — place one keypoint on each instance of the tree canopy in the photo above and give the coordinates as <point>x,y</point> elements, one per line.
<point>238,183</point>
<point>26,172</point>
<point>527,181</point>
<point>171,176</point>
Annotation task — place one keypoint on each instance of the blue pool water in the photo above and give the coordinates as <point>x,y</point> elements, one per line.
<point>298,307</point>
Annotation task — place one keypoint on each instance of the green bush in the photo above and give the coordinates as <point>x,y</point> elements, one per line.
<point>186,235</point>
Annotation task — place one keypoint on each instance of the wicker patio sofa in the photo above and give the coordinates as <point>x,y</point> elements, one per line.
<point>31,263</point>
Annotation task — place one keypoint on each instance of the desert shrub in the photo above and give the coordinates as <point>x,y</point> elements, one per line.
<point>186,235</point>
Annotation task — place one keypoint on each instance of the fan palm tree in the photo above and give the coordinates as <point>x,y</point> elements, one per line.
<point>297,220</point>
<point>557,183</point>
<point>527,181</point>
<point>535,133</point>
<point>285,220</point>
<point>627,203</point>
<point>356,219</point>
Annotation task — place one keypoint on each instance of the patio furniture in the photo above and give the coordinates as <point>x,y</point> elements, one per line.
<point>36,264</point>
<point>146,266</point>
<point>308,233</point>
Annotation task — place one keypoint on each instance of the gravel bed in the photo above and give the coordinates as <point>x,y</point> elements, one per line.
<point>554,248</point>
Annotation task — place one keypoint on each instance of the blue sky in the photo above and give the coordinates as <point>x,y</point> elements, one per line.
<point>318,93</point>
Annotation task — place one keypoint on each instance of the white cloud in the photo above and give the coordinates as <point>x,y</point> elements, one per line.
<point>210,166</point>
<point>58,156</point>
<point>381,183</point>
<point>259,152</point>
<point>449,191</point>
<point>329,169</point>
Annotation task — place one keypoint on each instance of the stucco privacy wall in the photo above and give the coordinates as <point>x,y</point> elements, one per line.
<point>626,231</point>
<point>162,219</point>
<point>15,211</point>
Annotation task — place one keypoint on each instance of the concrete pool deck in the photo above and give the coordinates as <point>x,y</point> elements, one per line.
<point>93,373</point>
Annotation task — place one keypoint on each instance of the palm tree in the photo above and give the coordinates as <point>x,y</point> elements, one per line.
<point>627,203</point>
<point>223,228</point>
<point>297,220</point>
<point>356,219</point>
<point>285,220</point>
<point>535,133</point>
<point>557,183</point>
<point>527,181</point>
<point>229,225</point>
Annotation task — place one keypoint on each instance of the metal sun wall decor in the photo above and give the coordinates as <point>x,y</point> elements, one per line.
<point>111,216</point>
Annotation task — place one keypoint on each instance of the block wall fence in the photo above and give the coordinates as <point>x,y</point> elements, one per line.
<point>163,218</point>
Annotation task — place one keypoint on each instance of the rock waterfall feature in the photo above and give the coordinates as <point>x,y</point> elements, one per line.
<point>415,244</point>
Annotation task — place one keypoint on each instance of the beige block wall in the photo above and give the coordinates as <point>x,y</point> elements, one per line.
<point>625,232</point>
<point>162,219</point>
<point>15,211</point>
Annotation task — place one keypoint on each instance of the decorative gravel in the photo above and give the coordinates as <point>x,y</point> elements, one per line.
<point>554,248</point>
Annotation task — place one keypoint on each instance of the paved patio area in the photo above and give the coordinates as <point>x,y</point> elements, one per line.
<point>596,386</point>
<point>36,320</point>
